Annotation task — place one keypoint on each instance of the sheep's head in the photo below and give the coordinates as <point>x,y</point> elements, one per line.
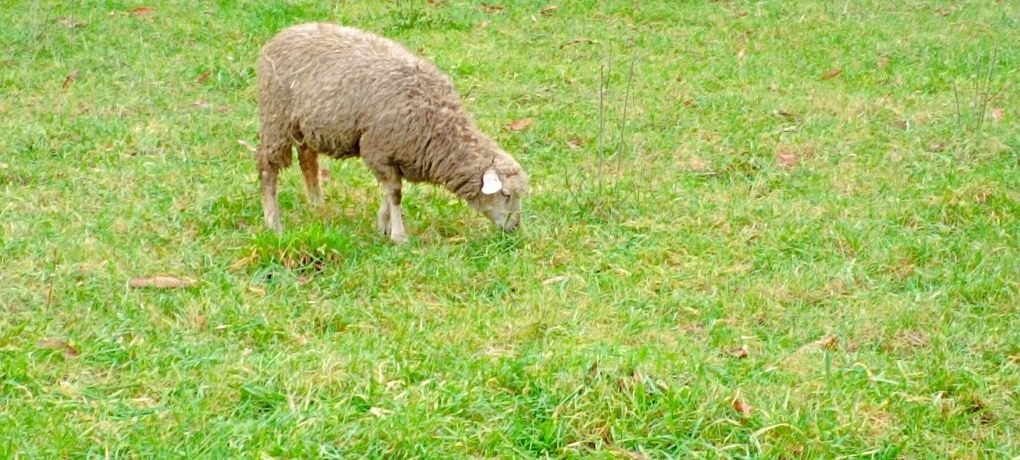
<point>501,187</point>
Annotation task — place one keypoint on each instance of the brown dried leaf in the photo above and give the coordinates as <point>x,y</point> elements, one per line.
<point>492,8</point>
<point>547,10</point>
<point>832,73</point>
<point>739,353</point>
<point>828,342</point>
<point>70,78</point>
<point>883,62</point>
<point>947,10</point>
<point>483,25</point>
<point>302,280</point>
<point>787,156</point>
<point>162,282</point>
<point>741,407</point>
<point>247,145</point>
<point>142,10</point>
<point>518,125</point>
<point>787,115</point>
<point>997,113</point>
<point>573,143</point>
<point>578,40</point>
<point>554,280</point>
<point>204,76</point>
<point>69,350</point>
<point>741,53</point>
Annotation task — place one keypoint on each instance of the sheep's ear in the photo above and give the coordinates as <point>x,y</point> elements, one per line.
<point>491,183</point>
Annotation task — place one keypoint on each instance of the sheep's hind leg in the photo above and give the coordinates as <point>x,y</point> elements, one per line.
<point>309,160</point>
<point>273,155</point>
<point>270,206</point>
<point>270,158</point>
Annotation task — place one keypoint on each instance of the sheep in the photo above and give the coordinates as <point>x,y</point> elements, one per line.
<point>344,92</point>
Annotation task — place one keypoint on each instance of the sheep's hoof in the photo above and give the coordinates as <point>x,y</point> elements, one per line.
<point>274,226</point>
<point>399,239</point>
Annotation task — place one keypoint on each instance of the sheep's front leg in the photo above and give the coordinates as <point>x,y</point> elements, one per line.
<point>397,233</point>
<point>382,221</point>
<point>391,219</point>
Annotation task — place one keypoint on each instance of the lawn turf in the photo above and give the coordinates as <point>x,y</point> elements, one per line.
<point>807,245</point>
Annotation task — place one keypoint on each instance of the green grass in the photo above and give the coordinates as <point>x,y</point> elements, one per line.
<point>896,232</point>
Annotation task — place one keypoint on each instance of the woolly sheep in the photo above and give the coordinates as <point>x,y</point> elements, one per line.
<point>343,92</point>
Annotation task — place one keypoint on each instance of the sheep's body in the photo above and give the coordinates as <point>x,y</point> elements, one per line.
<point>343,92</point>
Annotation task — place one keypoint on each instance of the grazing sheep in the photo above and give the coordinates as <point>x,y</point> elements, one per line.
<point>343,92</point>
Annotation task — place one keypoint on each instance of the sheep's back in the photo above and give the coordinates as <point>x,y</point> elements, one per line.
<point>333,83</point>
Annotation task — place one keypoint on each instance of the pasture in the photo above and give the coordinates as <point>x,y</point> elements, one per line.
<point>793,230</point>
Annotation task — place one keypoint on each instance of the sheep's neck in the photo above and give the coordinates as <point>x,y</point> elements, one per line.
<point>463,160</point>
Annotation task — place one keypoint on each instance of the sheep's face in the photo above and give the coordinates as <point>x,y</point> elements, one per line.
<point>500,198</point>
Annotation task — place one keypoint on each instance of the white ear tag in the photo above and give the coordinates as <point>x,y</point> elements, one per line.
<point>491,183</point>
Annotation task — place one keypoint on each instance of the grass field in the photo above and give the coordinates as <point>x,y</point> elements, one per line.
<point>808,244</point>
